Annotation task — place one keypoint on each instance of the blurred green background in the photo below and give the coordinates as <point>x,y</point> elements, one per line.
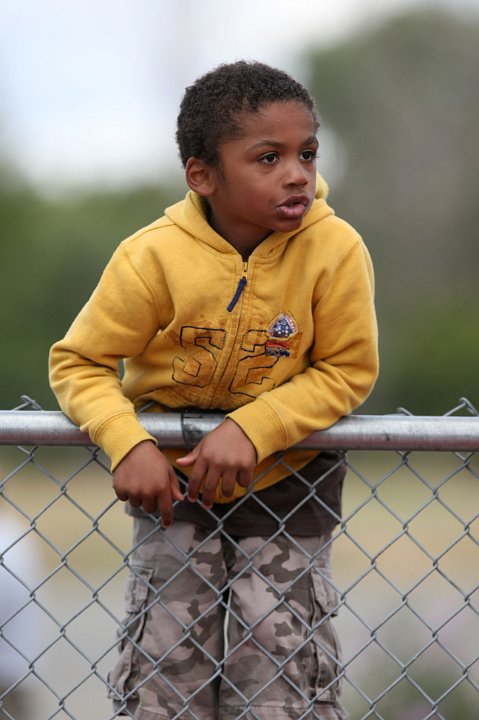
<point>399,105</point>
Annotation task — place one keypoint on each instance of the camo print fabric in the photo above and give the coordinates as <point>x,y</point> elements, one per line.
<point>223,628</point>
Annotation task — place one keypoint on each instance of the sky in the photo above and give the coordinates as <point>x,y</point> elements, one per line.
<point>89,89</point>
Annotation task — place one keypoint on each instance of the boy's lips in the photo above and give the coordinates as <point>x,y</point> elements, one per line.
<point>293,207</point>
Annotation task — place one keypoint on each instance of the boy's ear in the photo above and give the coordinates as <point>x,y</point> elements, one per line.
<point>200,177</point>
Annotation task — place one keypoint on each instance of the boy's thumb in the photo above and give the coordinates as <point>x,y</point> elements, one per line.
<point>187,459</point>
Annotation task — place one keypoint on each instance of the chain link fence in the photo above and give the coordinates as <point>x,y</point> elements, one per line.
<point>406,564</point>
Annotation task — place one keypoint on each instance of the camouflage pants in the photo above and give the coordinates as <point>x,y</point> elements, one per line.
<point>221,628</point>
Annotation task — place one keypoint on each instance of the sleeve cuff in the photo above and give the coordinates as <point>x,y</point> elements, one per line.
<point>118,435</point>
<point>262,426</point>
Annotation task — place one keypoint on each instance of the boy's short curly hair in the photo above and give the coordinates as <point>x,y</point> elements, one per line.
<point>210,109</point>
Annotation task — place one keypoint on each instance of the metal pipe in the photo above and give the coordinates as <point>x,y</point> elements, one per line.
<point>356,432</point>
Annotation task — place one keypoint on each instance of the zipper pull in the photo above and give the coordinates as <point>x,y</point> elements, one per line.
<point>237,295</point>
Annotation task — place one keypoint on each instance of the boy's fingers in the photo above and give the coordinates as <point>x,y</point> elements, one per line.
<point>149,504</point>
<point>195,479</point>
<point>228,484</point>
<point>176,489</point>
<point>123,496</point>
<point>210,484</point>
<point>134,500</point>
<point>187,459</point>
<point>166,514</point>
<point>164,505</point>
<point>245,478</point>
<point>177,494</point>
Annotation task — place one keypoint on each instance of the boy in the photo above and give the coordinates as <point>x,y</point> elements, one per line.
<point>252,298</point>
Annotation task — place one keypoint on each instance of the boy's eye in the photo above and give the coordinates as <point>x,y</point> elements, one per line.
<point>309,155</point>
<point>268,159</point>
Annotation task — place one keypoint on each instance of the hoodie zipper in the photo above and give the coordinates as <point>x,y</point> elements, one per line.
<point>234,326</point>
<point>239,289</point>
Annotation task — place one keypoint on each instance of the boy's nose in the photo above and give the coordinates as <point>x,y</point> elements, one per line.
<point>296,174</point>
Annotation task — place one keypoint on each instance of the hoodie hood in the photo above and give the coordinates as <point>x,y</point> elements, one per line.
<point>189,215</point>
<point>322,188</point>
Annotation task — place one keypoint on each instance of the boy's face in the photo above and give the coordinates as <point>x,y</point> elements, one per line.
<point>267,177</point>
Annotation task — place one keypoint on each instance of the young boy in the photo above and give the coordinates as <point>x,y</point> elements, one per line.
<point>249,297</point>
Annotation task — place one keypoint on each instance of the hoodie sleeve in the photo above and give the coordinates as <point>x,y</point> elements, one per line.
<point>118,321</point>
<point>343,364</point>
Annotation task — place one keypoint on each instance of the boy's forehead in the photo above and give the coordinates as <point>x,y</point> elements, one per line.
<point>276,117</point>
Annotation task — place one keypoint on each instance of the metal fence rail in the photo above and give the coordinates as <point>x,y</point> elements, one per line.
<point>406,564</point>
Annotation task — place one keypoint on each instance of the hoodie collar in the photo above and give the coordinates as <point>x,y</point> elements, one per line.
<point>189,215</point>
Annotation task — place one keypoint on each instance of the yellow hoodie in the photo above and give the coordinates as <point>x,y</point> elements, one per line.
<point>285,343</point>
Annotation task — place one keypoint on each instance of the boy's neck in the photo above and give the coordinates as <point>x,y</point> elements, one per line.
<point>243,243</point>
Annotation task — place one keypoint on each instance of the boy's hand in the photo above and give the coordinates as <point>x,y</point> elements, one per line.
<point>226,454</point>
<point>146,478</point>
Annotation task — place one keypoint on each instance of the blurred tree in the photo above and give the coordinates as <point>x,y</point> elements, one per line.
<point>53,252</point>
<point>403,102</point>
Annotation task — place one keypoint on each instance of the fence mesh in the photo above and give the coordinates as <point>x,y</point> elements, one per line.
<point>405,561</point>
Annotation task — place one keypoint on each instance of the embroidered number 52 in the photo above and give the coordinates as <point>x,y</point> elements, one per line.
<point>198,365</point>
<point>253,368</point>
<point>202,348</point>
